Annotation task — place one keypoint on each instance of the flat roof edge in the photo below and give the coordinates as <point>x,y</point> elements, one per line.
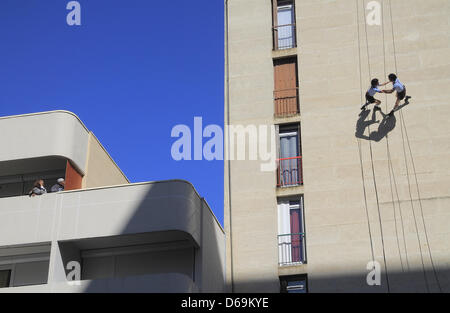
<point>46,112</point>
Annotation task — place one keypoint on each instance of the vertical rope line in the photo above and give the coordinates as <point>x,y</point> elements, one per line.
<point>387,145</point>
<point>395,183</point>
<point>359,140</point>
<point>400,210</point>
<point>420,206</point>
<point>403,125</point>
<point>412,206</point>
<point>412,160</point>
<point>373,170</point>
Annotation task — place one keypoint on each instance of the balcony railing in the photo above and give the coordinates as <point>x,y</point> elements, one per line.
<point>289,172</point>
<point>284,37</point>
<point>291,249</point>
<point>286,102</point>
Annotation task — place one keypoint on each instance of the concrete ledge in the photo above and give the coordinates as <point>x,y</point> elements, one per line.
<point>290,191</point>
<point>278,54</point>
<point>100,212</point>
<point>287,119</point>
<point>156,283</point>
<point>293,270</point>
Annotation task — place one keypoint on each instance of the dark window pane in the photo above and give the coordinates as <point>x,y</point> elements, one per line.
<point>5,276</point>
<point>294,284</point>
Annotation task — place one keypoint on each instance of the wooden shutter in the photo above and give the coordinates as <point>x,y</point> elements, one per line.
<point>285,79</point>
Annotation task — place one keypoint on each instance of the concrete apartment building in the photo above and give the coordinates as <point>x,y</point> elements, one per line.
<point>349,188</point>
<point>122,237</point>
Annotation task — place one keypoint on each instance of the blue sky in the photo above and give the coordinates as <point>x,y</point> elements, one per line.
<point>133,70</point>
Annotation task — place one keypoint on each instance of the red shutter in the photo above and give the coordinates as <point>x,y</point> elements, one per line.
<point>295,238</point>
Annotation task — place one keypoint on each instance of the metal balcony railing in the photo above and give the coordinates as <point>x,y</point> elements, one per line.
<point>291,249</point>
<point>284,37</point>
<point>289,172</point>
<point>286,102</point>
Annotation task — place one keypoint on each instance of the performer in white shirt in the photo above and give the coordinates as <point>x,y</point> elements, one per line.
<point>399,87</point>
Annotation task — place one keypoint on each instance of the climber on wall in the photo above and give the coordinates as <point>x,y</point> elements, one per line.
<point>373,89</point>
<point>399,87</point>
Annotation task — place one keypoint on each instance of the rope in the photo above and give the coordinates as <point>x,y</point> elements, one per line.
<point>388,150</point>
<point>399,208</point>
<point>412,210</point>
<point>373,166</point>
<point>359,140</point>
<point>403,125</point>
<point>373,170</point>
<point>420,205</point>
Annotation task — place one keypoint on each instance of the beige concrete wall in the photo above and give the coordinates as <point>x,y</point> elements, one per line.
<point>333,72</point>
<point>250,217</point>
<point>101,170</point>
<point>338,241</point>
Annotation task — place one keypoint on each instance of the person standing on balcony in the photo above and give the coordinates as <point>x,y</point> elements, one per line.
<point>59,186</point>
<point>371,92</point>
<point>38,189</point>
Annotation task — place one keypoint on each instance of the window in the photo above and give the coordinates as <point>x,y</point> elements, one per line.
<point>24,265</point>
<point>286,87</point>
<point>5,277</point>
<point>17,177</point>
<point>290,161</point>
<point>291,232</point>
<point>294,284</point>
<point>284,24</point>
<point>175,257</point>
<point>19,185</point>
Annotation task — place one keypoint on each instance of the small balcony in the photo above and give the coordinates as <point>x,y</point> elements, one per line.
<point>286,102</point>
<point>284,37</point>
<point>289,172</point>
<point>291,249</point>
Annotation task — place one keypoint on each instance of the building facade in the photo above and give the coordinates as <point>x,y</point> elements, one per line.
<point>101,234</point>
<point>350,187</point>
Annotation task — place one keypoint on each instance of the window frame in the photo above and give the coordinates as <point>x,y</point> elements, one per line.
<point>276,4</point>
<point>293,278</point>
<point>11,269</point>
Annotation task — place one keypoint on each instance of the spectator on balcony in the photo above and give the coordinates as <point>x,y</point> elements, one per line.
<point>59,186</point>
<point>38,189</point>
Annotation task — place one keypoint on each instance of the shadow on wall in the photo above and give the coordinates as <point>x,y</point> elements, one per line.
<point>386,125</point>
<point>399,282</point>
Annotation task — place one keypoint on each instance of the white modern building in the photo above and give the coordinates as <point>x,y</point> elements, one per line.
<point>102,234</point>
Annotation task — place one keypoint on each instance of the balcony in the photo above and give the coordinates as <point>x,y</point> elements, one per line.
<point>284,37</point>
<point>119,234</point>
<point>291,249</point>
<point>286,102</point>
<point>289,172</point>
